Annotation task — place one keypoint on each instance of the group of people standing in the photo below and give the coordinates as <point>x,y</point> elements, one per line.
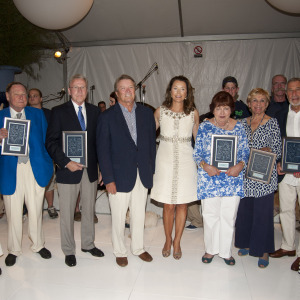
<point>122,140</point>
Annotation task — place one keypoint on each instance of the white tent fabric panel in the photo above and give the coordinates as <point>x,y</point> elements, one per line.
<point>252,62</point>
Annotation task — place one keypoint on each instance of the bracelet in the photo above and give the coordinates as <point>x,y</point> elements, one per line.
<point>202,164</point>
<point>241,161</point>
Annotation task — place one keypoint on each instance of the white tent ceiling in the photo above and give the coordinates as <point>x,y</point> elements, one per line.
<point>142,21</point>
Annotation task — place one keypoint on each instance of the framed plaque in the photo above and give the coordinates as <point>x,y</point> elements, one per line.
<point>260,165</point>
<point>75,146</point>
<point>223,151</point>
<point>290,162</point>
<point>16,143</point>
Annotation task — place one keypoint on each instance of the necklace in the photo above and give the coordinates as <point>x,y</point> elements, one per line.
<point>252,132</point>
<point>222,127</point>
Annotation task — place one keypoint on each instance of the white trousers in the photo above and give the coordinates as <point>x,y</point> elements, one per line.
<point>219,214</point>
<point>28,189</point>
<point>119,203</point>
<point>287,200</point>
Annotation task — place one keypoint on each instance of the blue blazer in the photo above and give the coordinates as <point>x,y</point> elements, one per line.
<point>119,158</point>
<point>41,163</point>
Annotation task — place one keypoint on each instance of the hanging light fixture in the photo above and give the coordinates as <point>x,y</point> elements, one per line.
<point>289,6</point>
<point>54,14</point>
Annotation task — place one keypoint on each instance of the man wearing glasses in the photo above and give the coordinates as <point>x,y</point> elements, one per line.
<point>72,177</point>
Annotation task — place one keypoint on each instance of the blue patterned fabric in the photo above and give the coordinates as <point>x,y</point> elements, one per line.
<point>81,118</point>
<point>222,185</point>
<point>267,135</point>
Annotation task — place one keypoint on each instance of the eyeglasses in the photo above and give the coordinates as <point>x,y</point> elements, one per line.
<point>77,88</point>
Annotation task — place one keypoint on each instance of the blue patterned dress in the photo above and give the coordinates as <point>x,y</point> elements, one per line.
<point>254,222</point>
<point>267,135</point>
<point>222,185</point>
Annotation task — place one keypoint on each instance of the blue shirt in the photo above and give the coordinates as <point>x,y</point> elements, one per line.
<point>130,120</point>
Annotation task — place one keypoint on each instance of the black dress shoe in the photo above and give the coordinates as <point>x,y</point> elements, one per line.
<point>10,260</point>
<point>0,271</point>
<point>45,253</point>
<point>95,252</point>
<point>70,260</point>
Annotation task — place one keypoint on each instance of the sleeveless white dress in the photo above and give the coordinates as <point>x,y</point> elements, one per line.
<point>175,178</point>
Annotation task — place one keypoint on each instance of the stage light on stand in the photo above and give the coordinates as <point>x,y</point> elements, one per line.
<point>58,54</point>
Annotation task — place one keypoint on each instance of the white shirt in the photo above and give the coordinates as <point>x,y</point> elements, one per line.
<point>76,106</point>
<point>14,113</point>
<point>292,130</point>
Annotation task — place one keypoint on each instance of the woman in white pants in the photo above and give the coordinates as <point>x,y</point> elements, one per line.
<point>220,192</point>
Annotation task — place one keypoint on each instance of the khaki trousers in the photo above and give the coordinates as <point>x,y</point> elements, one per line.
<point>287,200</point>
<point>119,203</point>
<point>67,194</point>
<point>1,205</point>
<point>193,214</point>
<point>28,189</point>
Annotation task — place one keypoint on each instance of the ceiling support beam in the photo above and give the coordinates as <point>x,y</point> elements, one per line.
<point>199,38</point>
<point>180,18</point>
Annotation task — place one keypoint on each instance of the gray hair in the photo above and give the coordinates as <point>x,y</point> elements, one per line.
<point>79,76</point>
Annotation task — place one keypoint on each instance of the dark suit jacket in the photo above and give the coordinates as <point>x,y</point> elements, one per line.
<point>118,156</point>
<point>41,163</point>
<point>64,118</point>
<point>281,117</point>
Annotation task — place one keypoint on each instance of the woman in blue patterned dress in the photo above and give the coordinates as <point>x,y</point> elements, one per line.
<point>254,224</point>
<point>220,192</point>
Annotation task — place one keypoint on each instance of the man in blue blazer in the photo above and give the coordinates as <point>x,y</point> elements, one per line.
<point>126,155</point>
<point>24,177</point>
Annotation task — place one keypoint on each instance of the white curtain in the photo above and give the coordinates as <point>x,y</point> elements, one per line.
<point>252,62</point>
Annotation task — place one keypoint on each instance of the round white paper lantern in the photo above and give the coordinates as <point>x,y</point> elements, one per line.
<point>54,14</point>
<point>290,6</point>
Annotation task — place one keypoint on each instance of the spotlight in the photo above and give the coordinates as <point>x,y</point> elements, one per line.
<point>58,54</point>
<point>61,56</point>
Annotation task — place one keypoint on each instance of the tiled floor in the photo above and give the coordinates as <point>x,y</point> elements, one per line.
<point>163,279</point>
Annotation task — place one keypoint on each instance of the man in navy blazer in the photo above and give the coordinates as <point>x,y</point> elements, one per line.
<point>71,177</point>
<point>24,177</point>
<point>126,155</point>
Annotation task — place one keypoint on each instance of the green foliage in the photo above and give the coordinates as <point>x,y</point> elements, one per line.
<point>22,43</point>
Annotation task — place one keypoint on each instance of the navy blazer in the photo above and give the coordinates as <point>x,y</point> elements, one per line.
<point>64,118</point>
<point>41,163</point>
<point>118,155</point>
<point>281,117</point>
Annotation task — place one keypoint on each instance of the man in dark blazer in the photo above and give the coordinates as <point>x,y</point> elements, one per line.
<point>24,177</point>
<point>71,176</point>
<point>126,154</point>
<point>35,99</point>
<point>289,184</point>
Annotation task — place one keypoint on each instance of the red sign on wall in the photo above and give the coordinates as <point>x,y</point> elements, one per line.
<point>198,51</point>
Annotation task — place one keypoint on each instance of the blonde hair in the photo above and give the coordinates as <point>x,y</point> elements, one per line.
<point>258,91</point>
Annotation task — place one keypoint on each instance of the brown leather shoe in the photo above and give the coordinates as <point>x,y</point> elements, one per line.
<point>122,261</point>
<point>295,265</point>
<point>146,257</point>
<point>280,253</point>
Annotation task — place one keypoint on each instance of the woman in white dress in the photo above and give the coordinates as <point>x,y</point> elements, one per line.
<point>175,178</point>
